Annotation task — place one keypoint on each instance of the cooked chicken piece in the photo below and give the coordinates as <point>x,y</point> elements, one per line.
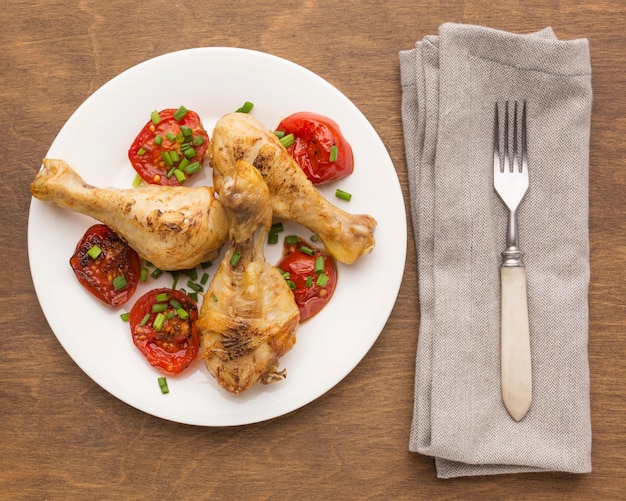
<point>173,227</point>
<point>240,136</point>
<point>249,317</point>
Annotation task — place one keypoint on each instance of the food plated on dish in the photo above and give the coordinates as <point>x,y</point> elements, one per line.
<point>194,378</point>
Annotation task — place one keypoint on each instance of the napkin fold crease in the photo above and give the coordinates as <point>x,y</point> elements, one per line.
<point>450,83</point>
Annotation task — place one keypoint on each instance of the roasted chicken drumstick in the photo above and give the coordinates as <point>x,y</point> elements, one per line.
<point>175,228</point>
<point>240,136</point>
<point>249,317</point>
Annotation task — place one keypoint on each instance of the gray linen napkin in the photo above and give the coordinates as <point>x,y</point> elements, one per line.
<point>450,83</point>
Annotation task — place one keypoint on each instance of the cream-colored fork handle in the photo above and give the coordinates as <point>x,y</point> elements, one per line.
<point>515,360</point>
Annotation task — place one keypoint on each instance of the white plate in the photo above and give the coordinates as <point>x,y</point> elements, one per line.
<point>213,82</point>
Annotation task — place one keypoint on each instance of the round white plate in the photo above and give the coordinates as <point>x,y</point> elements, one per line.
<point>213,82</point>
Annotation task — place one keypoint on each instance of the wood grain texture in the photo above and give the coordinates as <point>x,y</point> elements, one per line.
<point>63,437</point>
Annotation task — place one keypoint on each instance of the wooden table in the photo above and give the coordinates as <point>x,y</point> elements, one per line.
<point>63,437</point>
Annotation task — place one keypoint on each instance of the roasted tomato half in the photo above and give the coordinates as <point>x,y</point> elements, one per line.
<point>163,327</point>
<point>170,147</point>
<point>106,266</point>
<point>311,275</point>
<point>319,146</point>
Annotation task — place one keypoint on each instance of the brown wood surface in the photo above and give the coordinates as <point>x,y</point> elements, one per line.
<point>63,437</point>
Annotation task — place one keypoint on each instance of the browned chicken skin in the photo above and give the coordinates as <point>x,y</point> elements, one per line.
<point>240,136</point>
<point>249,317</point>
<point>175,228</point>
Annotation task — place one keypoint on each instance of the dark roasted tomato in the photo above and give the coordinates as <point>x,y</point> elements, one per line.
<point>311,275</point>
<point>170,147</point>
<point>163,326</point>
<point>106,266</point>
<point>319,147</point>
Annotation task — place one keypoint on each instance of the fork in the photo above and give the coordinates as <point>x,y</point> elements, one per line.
<point>510,180</point>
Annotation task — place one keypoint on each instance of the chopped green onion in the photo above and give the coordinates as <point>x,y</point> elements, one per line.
<point>156,273</point>
<point>284,273</point>
<point>155,117</point>
<point>192,273</point>
<point>214,298</point>
<point>193,295</point>
<point>320,263</point>
<point>195,286</point>
<point>197,141</point>
<point>291,239</point>
<point>234,259</point>
<point>137,181</point>
<point>165,155</point>
<point>175,275</point>
<point>344,195</point>
<point>287,140</point>
<point>180,176</point>
<point>159,320</point>
<point>309,281</point>
<point>183,164</point>
<point>182,313</point>
<point>204,279</point>
<point>163,296</point>
<point>159,307</point>
<point>189,152</point>
<point>180,113</point>
<point>314,238</point>
<point>170,135</point>
<point>322,280</point>
<point>141,151</point>
<point>307,250</point>
<point>175,304</point>
<point>158,139</point>
<point>174,156</point>
<point>163,385</point>
<point>145,319</point>
<point>169,315</point>
<point>125,316</point>
<point>170,172</point>
<point>272,235</point>
<point>334,151</point>
<point>206,265</point>
<point>94,252</point>
<point>279,134</point>
<point>246,108</point>
<point>192,168</point>
<point>291,284</point>
<point>277,228</point>
<point>187,131</point>
<point>119,282</point>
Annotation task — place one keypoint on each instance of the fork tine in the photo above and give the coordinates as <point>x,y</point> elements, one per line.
<point>516,165</point>
<point>507,166</point>
<point>524,143</point>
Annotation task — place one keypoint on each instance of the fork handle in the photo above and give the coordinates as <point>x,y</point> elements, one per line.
<point>515,361</point>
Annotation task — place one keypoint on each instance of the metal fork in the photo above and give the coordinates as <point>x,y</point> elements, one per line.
<point>510,180</point>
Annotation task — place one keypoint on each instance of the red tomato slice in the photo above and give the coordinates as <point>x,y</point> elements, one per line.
<point>106,266</point>
<point>170,151</point>
<point>172,346</point>
<point>314,138</point>
<point>312,288</point>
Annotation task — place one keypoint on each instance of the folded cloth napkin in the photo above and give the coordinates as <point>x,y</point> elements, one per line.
<point>450,84</point>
